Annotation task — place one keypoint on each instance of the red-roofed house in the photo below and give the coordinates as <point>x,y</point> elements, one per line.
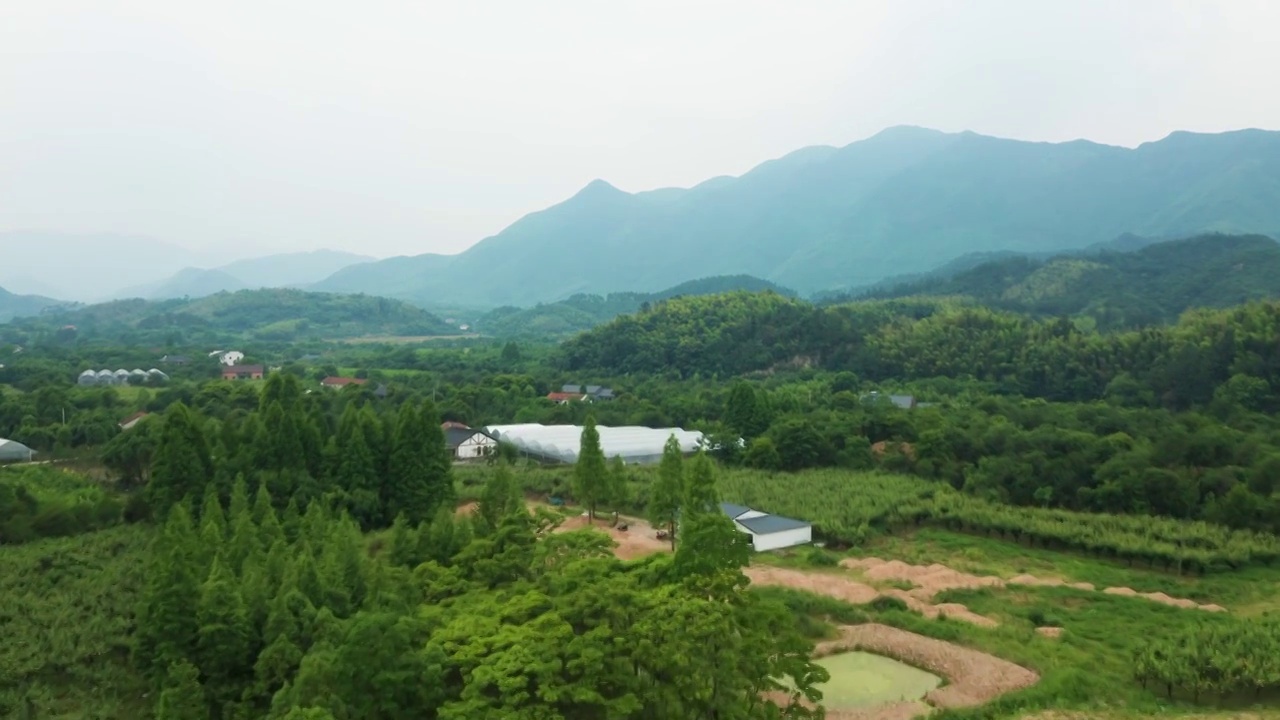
<point>564,398</point>
<point>341,382</point>
<point>243,372</point>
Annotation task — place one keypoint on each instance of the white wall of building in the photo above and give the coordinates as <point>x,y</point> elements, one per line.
<point>786,538</point>
<point>476,446</point>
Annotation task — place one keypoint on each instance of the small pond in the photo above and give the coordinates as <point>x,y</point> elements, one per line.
<point>860,679</point>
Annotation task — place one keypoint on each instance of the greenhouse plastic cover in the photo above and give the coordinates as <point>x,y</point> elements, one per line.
<point>560,442</point>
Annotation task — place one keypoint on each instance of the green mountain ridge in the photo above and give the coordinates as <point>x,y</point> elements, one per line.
<point>584,311</point>
<point>1153,284</point>
<point>1164,288</point>
<point>825,218</point>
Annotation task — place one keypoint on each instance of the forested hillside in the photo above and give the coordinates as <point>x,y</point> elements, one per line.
<point>582,312</point>
<point>1154,284</point>
<point>823,218</point>
<point>1179,365</point>
<point>276,315</point>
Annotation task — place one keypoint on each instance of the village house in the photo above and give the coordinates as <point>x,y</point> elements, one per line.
<point>595,392</point>
<point>243,372</point>
<point>468,443</point>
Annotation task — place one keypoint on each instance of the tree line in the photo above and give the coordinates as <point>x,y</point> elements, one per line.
<point>248,613</point>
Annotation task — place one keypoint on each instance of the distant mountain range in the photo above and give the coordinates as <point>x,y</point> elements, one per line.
<point>98,267</point>
<point>272,271</point>
<point>825,218</point>
<point>1152,284</point>
<point>283,315</point>
<point>12,305</point>
<point>583,311</point>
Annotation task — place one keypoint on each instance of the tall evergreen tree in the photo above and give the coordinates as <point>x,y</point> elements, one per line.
<point>616,487</point>
<point>499,497</point>
<point>224,648</point>
<point>418,479</point>
<point>667,491</point>
<point>166,627</point>
<point>700,495</point>
<point>182,697</point>
<point>358,475</point>
<point>181,465</point>
<point>590,474</point>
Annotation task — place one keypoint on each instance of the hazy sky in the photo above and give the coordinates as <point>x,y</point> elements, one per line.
<point>409,127</point>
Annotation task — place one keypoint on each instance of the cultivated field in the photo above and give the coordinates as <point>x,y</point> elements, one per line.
<point>934,566</point>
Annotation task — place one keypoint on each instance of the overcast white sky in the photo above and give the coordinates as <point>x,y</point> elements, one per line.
<point>408,127</point>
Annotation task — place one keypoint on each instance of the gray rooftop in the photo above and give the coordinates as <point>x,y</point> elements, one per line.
<point>766,524</point>
<point>734,511</point>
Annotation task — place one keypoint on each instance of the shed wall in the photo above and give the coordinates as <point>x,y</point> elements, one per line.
<point>786,538</point>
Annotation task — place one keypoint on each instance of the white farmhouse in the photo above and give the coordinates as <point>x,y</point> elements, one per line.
<point>468,443</point>
<point>768,532</point>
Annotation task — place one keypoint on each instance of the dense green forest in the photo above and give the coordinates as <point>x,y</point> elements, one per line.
<point>1111,290</point>
<point>261,315</point>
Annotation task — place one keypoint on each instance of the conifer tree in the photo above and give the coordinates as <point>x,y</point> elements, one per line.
<point>438,542</point>
<point>262,505</point>
<point>499,497</point>
<point>616,487</point>
<point>239,503</point>
<point>182,697</point>
<point>440,462</point>
<point>667,491</point>
<point>590,475</point>
<point>405,491</point>
<point>181,465</point>
<point>211,512</point>
<point>166,628</point>
<point>700,494</point>
<point>224,649</point>
<point>404,543</point>
<point>358,475</point>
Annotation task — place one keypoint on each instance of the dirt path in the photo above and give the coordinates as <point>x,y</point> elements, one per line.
<point>973,677</point>
<point>843,588</point>
<point>929,580</point>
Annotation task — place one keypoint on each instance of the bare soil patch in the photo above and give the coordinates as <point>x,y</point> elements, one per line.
<point>858,593</point>
<point>975,677</point>
<point>638,540</point>
<point>822,584</point>
<point>933,579</point>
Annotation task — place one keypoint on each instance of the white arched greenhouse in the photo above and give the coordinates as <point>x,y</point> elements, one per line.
<point>559,443</point>
<point>14,451</point>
